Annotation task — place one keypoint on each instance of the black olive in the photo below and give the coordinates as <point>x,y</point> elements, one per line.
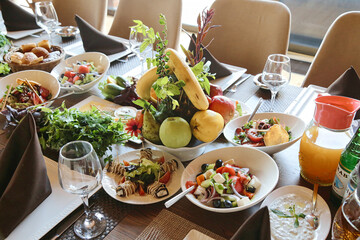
<point>250,189</point>
<point>227,203</point>
<point>204,167</point>
<point>218,163</point>
<point>217,203</point>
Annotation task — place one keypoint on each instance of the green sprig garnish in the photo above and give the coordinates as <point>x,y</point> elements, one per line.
<point>292,215</point>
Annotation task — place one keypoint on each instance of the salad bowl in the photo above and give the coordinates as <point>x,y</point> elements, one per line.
<point>99,60</point>
<point>259,163</point>
<point>296,126</point>
<point>44,79</point>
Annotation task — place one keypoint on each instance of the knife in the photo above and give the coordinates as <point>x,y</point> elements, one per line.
<point>237,83</point>
<point>69,221</point>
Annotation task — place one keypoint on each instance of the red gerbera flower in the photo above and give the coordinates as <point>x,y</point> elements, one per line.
<point>133,127</point>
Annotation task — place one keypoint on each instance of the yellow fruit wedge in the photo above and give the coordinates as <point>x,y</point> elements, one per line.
<point>183,72</point>
<point>144,84</point>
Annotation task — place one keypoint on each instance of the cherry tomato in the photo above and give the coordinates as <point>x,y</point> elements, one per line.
<point>84,69</point>
<point>189,184</point>
<point>219,170</point>
<point>248,194</point>
<point>141,191</point>
<point>35,99</point>
<point>76,78</point>
<point>229,169</point>
<point>238,186</point>
<point>165,178</point>
<point>44,92</point>
<point>253,135</point>
<point>243,178</point>
<point>69,74</point>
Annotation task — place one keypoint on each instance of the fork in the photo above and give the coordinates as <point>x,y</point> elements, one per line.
<point>153,234</point>
<point>233,89</point>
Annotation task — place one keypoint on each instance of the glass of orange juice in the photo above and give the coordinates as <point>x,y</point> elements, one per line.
<point>319,155</point>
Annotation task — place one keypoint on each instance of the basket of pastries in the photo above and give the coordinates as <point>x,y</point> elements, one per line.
<point>32,56</point>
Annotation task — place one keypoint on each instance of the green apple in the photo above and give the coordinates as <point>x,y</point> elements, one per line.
<point>175,132</point>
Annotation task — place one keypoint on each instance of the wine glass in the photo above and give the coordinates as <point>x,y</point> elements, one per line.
<point>79,173</point>
<point>276,73</point>
<point>138,46</point>
<point>46,17</point>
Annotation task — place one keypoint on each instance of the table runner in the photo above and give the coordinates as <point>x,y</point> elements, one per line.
<point>168,225</point>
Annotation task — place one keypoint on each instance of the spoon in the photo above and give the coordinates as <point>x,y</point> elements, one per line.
<point>255,109</point>
<point>311,218</point>
<point>170,202</point>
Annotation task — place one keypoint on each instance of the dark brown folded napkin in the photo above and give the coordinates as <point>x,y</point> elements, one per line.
<point>216,66</point>
<point>347,85</point>
<point>24,183</point>
<point>96,41</point>
<point>257,227</point>
<point>16,18</point>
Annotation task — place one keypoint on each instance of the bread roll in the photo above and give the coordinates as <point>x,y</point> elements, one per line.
<point>40,52</point>
<point>45,44</point>
<point>37,60</point>
<point>16,57</point>
<point>27,47</point>
<point>28,58</point>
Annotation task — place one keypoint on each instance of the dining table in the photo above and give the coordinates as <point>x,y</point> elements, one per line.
<point>127,221</point>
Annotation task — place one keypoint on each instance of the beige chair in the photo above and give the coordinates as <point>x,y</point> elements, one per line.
<point>250,31</point>
<point>92,11</point>
<point>339,50</point>
<point>148,11</point>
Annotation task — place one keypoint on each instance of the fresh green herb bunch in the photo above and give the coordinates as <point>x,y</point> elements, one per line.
<point>62,125</point>
<point>4,41</point>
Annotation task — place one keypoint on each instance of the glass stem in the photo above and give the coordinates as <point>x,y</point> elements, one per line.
<point>85,200</point>
<point>273,95</point>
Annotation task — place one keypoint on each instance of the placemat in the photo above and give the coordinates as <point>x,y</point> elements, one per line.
<point>113,211</point>
<point>244,91</point>
<point>168,225</point>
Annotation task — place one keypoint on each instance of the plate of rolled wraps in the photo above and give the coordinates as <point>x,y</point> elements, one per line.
<point>142,176</point>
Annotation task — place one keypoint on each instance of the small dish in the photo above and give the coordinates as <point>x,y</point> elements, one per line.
<point>322,208</point>
<point>295,124</point>
<point>67,32</point>
<point>258,82</point>
<point>100,60</point>
<point>259,163</point>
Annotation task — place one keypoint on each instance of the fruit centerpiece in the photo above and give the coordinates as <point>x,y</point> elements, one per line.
<point>176,95</point>
<point>180,106</point>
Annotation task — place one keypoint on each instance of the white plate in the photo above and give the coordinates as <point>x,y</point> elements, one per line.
<point>258,83</point>
<point>296,125</point>
<point>78,48</point>
<point>23,33</point>
<point>51,211</point>
<point>173,185</point>
<point>322,207</point>
<point>100,60</point>
<point>259,163</point>
<point>196,235</point>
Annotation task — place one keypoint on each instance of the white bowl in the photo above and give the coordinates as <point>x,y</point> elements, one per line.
<point>259,163</point>
<point>183,153</point>
<point>296,125</point>
<point>101,61</point>
<point>46,80</point>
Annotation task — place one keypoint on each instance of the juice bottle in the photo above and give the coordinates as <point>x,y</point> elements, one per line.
<point>325,138</point>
